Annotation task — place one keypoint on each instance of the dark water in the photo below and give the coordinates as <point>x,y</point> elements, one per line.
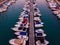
<point>8,19</point>
<point>51,23</point>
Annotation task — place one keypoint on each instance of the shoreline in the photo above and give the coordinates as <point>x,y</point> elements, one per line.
<point>5,5</point>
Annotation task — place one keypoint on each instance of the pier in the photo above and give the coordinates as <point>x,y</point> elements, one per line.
<point>31,31</point>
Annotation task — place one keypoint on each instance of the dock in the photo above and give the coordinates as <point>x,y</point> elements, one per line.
<point>31,31</point>
<point>21,34</point>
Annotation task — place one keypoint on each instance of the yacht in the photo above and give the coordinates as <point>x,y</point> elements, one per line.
<point>39,42</point>
<point>53,5</point>
<point>38,24</point>
<point>16,29</point>
<point>40,33</point>
<point>17,42</point>
<point>19,29</point>
<point>25,37</point>
<point>58,15</point>
<point>20,33</point>
<point>40,37</point>
<point>56,12</point>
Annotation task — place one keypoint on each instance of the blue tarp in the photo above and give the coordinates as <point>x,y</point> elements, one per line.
<point>39,34</point>
<point>26,16</point>
<point>22,33</point>
<point>38,22</point>
<point>1,6</point>
<point>26,12</point>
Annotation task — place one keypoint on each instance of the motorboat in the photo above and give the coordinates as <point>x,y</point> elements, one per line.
<point>39,42</point>
<point>26,9</point>
<point>40,37</point>
<point>20,33</point>
<point>13,1</point>
<point>37,19</point>
<point>19,29</point>
<point>23,25</point>
<point>56,12</point>
<point>58,15</point>
<point>18,24</point>
<point>25,37</point>
<point>40,33</point>
<point>52,4</point>
<point>48,0</point>
<point>27,3</point>
<point>17,42</point>
<point>16,29</point>
<point>34,5</point>
<point>36,10</point>
<point>38,24</point>
<point>37,15</point>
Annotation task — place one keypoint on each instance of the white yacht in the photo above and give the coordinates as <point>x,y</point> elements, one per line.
<point>39,24</point>
<point>52,4</point>
<point>17,42</point>
<point>16,29</point>
<point>56,12</point>
<point>37,18</point>
<point>20,33</point>
<point>58,15</point>
<point>39,43</point>
<point>40,35</point>
<point>23,37</point>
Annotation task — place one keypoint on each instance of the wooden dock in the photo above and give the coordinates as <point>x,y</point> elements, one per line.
<point>31,31</point>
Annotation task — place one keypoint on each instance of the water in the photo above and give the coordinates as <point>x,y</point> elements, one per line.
<point>8,19</point>
<point>51,23</point>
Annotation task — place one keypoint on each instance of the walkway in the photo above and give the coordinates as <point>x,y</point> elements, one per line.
<point>31,31</point>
